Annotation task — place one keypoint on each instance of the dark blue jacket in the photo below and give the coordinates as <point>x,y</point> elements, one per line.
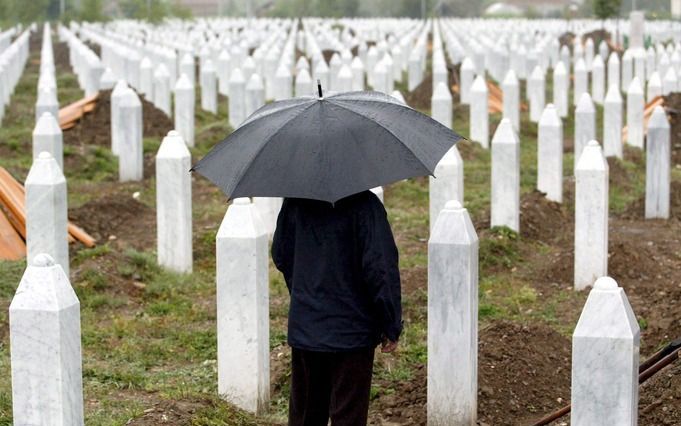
<point>340,264</point>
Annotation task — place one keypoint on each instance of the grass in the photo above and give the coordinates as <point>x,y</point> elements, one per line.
<point>149,335</point>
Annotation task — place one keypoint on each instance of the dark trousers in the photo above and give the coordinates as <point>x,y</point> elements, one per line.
<point>330,384</point>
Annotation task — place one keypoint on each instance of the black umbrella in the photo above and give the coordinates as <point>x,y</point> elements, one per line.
<point>326,148</point>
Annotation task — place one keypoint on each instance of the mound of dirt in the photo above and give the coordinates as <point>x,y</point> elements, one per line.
<point>597,36</point>
<point>523,373</point>
<point>328,54</point>
<point>95,128</point>
<point>567,39</point>
<point>660,400</point>
<point>419,98</point>
<point>636,210</point>
<point>117,216</point>
<point>544,220</point>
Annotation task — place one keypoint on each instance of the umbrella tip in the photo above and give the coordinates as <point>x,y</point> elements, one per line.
<point>319,88</point>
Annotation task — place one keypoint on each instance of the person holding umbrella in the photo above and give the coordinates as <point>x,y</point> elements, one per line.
<point>340,264</point>
<point>333,242</point>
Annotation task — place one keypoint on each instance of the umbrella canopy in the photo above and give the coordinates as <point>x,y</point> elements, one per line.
<point>326,148</point>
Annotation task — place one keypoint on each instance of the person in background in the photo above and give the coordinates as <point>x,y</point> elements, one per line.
<point>340,263</point>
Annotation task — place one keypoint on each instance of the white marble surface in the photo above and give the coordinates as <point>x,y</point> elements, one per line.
<point>537,93</point>
<point>635,106</point>
<point>612,123</point>
<point>46,102</point>
<point>415,70</point>
<point>505,196</point>
<point>670,83</point>
<point>654,86</point>
<point>467,77</point>
<point>243,308</point>
<point>268,210</point>
<point>585,125</point>
<point>283,88</point>
<point>447,184</point>
<point>185,104</point>
<point>379,193</point>
<point>116,96</point>
<point>188,67</point>
<point>357,68</point>
<point>452,319</point>
<point>237,104</point>
<point>479,113</point>
<point>627,69</point>
<point>147,78</point>
<point>209,88</point>
<point>511,99</point>
<point>47,136</point>
<point>46,211</point>
<point>162,98</point>
<point>255,94</point>
<point>344,79</point>
<point>581,78</point>
<point>550,154</point>
<point>130,155</point>
<point>174,204</point>
<point>658,172</point>
<point>441,105</point>
<point>591,216</point>
<point>223,70</point>
<point>303,84</point>
<point>45,348</point>
<point>561,88</point>
<point>598,80</point>
<point>614,70</point>
<point>605,359</point>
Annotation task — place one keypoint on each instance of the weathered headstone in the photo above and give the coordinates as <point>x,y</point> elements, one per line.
<point>585,125</point>
<point>581,80</point>
<point>635,106</point>
<point>505,195</point>
<point>598,80</point>
<point>47,136</point>
<point>612,123</point>
<point>47,102</point>
<point>46,211</point>
<point>467,78</point>
<point>174,204</point>
<point>184,108</point>
<point>243,308</point>
<point>130,153</point>
<point>44,328</point>
<point>605,359</point>
<point>255,94</point>
<point>537,93</point>
<point>447,183</point>
<point>614,70</point>
<point>511,98</point>
<point>162,99</point>
<point>591,216</point>
<point>441,105</point>
<point>209,90</point>
<point>561,87</point>
<point>237,94</point>
<point>479,113</point>
<point>550,155</point>
<point>658,154</point>
<point>453,319</point>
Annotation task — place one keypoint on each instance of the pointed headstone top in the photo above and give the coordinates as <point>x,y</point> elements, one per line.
<point>635,87</point>
<point>549,117</point>
<point>658,120</point>
<point>441,92</point>
<point>585,104</point>
<point>479,85</point>
<point>592,158</point>
<point>504,133</point>
<point>613,95</point>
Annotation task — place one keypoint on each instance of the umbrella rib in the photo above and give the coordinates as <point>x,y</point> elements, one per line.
<point>262,147</point>
<point>387,130</point>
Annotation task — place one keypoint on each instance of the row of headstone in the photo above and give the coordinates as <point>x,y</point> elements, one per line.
<point>12,62</point>
<point>85,63</point>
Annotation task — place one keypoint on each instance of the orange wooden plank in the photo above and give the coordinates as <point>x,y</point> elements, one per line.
<point>12,247</point>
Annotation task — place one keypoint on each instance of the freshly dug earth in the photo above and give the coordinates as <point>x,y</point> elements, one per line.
<point>118,217</point>
<point>524,371</point>
<point>95,128</point>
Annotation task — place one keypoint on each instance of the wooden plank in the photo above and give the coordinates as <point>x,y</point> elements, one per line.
<point>73,112</point>
<point>12,247</point>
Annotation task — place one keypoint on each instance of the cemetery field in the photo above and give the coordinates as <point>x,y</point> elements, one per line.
<point>149,336</point>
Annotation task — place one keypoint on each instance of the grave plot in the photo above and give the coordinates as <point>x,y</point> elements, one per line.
<point>159,341</point>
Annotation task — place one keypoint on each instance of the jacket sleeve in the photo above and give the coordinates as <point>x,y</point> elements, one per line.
<point>283,243</point>
<point>380,268</point>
